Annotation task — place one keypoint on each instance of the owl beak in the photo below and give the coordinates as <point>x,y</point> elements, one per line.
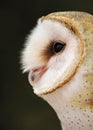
<point>36,74</point>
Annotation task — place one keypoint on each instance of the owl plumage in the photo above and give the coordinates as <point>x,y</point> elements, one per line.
<point>58,55</point>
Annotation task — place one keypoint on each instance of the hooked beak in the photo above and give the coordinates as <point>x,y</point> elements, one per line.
<point>36,73</point>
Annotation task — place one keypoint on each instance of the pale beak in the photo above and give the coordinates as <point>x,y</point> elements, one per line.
<point>36,73</point>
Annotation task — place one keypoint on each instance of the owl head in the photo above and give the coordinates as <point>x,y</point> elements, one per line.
<point>54,51</point>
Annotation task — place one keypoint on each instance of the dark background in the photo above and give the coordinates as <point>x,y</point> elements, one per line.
<point>20,109</point>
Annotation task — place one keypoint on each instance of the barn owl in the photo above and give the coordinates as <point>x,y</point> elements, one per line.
<point>58,56</point>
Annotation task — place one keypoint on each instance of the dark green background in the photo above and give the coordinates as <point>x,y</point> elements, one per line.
<point>20,109</point>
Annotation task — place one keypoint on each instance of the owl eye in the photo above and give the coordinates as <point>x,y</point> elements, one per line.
<point>58,46</point>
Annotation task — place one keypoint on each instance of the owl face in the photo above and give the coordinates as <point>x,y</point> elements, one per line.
<point>52,54</point>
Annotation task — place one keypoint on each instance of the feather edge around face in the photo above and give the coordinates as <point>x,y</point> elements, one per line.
<point>73,27</point>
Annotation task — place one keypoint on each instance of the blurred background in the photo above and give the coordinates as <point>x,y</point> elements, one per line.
<point>20,109</point>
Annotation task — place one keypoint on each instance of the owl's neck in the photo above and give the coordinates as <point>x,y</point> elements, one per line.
<point>70,118</point>
<point>59,104</point>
